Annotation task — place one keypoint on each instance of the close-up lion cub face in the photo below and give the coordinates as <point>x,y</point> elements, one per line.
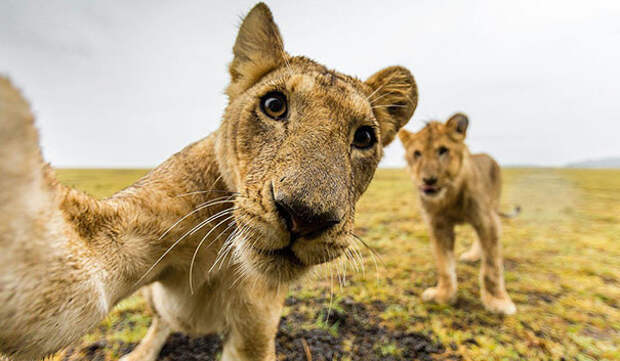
<point>435,156</point>
<point>300,144</point>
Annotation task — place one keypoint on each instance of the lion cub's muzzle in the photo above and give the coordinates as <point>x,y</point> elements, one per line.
<point>302,220</point>
<point>311,220</point>
<point>308,210</point>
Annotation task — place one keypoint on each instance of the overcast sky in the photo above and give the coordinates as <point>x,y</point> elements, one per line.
<point>128,83</point>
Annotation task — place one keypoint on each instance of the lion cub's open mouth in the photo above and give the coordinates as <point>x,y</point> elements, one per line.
<point>430,190</point>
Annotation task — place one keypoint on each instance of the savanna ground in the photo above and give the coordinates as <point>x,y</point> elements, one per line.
<point>562,260</point>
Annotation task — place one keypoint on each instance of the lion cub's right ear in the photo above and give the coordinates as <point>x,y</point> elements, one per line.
<point>458,124</point>
<point>257,50</point>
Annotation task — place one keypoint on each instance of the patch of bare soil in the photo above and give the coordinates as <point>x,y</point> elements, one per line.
<point>356,332</point>
<point>350,329</point>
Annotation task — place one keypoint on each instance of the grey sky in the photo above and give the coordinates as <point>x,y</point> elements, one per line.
<point>128,83</point>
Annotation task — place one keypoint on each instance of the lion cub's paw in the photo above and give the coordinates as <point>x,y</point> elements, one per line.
<point>470,256</point>
<point>503,305</point>
<point>439,295</point>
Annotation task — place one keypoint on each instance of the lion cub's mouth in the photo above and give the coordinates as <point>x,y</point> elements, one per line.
<point>285,253</point>
<point>430,190</point>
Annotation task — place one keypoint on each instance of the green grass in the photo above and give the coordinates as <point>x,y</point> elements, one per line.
<point>562,259</point>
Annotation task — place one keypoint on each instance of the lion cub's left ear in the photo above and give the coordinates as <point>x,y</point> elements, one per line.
<point>393,97</point>
<point>458,124</point>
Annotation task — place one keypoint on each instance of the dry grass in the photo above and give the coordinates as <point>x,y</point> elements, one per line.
<point>562,258</point>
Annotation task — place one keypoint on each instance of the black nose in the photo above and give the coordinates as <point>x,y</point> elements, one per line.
<point>429,181</point>
<point>302,220</point>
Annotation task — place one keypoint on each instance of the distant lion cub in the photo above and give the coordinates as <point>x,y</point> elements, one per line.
<point>458,187</point>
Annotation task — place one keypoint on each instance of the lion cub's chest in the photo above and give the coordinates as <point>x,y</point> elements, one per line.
<point>204,312</point>
<point>455,209</point>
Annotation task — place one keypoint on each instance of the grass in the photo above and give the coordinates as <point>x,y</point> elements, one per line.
<point>562,260</point>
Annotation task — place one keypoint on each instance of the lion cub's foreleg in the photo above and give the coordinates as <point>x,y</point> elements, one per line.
<point>492,288</point>
<point>240,346</point>
<point>253,331</point>
<point>442,235</point>
<point>156,336</point>
<point>473,254</point>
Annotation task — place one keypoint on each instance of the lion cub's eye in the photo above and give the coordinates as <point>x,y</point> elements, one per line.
<point>273,104</point>
<point>417,154</point>
<point>364,137</point>
<point>442,150</point>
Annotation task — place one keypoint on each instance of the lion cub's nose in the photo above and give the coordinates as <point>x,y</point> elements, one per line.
<point>429,181</point>
<point>302,220</point>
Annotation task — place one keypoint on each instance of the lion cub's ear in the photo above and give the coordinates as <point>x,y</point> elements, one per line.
<point>394,97</point>
<point>257,50</point>
<point>458,126</point>
<point>404,136</point>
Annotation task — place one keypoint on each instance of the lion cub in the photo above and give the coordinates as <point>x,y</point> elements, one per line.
<point>458,187</point>
<point>216,233</point>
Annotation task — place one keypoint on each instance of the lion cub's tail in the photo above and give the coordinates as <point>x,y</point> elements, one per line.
<point>22,170</point>
<point>515,212</point>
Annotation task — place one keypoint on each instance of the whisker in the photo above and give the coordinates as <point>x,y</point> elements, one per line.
<point>375,91</point>
<point>199,208</point>
<point>244,275</point>
<point>349,257</point>
<point>341,276</point>
<point>358,255</point>
<point>338,275</point>
<point>240,276</point>
<point>372,251</point>
<point>354,263</point>
<point>345,268</point>
<point>200,225</point>
<point>209,191</point>
<point>203,223</point>
<point>222,252</point>
<point>389,106</point>
<point>331,292</point>
<point>343,264</point>
<point>377,98</point>
<point>191,265</point>
<point>216,180</point>
<point>373,255</point>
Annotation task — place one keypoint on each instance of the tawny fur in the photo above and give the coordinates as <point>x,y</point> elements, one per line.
<point>466,189</point>
<point>67,258</point>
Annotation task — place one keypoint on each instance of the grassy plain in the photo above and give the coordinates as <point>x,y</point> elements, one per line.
<point>562,260</point>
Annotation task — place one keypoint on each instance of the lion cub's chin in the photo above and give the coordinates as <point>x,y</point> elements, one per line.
<point>288,264</point>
